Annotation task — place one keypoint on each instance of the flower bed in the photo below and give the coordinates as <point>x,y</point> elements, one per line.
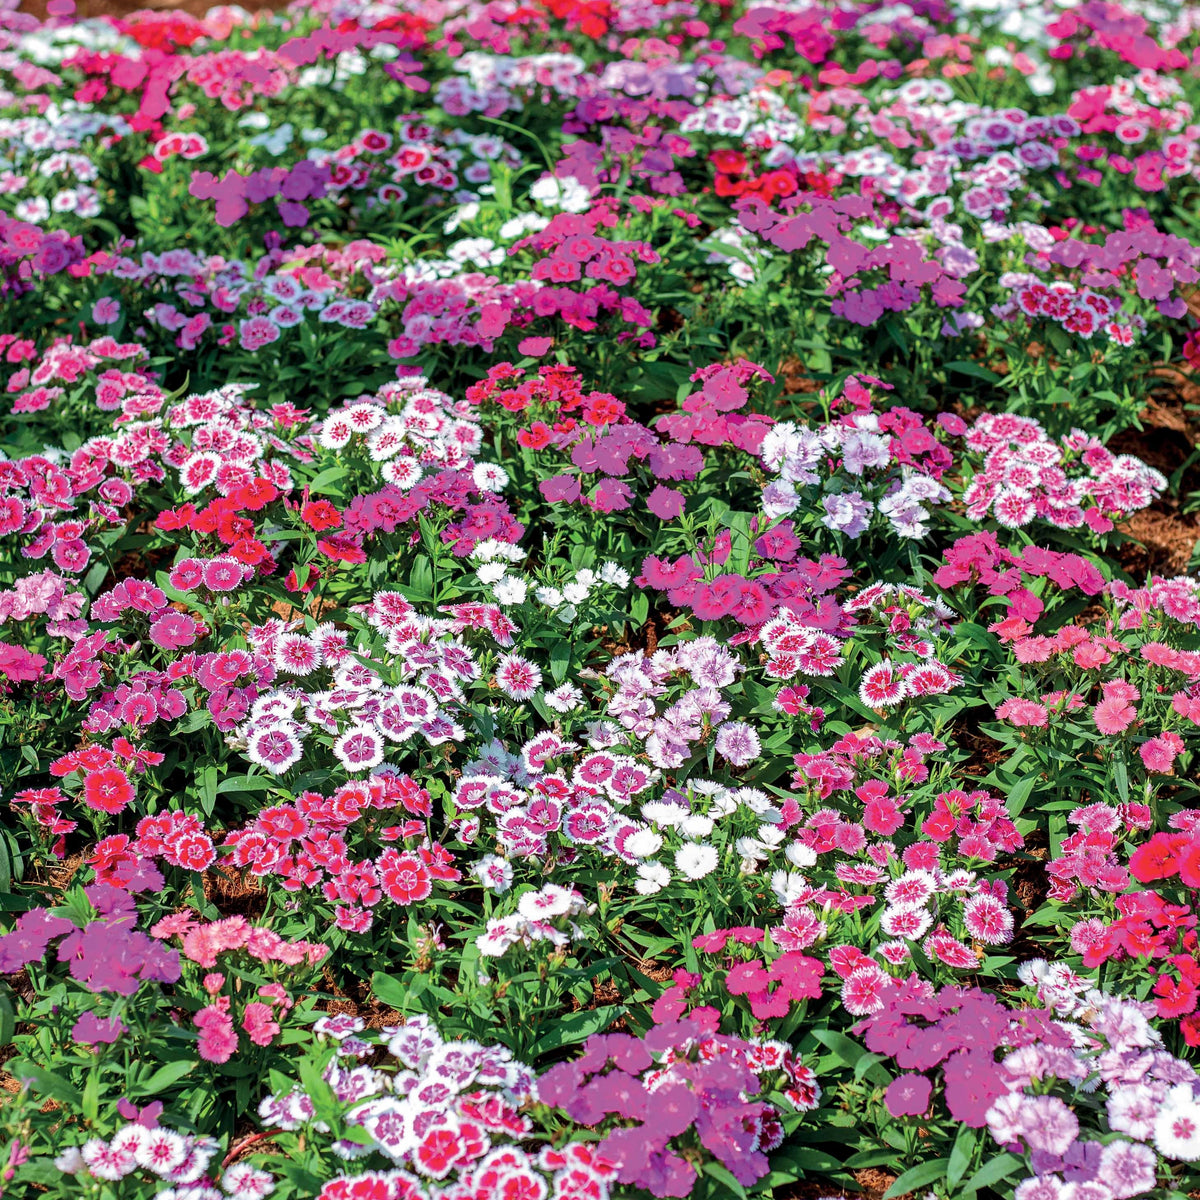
<point>578,615</point>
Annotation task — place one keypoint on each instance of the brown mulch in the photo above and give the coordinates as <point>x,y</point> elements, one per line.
<point>794,376</point>
<point>873,1183</point>
<point>1165,537</point>
<point>234,892</point>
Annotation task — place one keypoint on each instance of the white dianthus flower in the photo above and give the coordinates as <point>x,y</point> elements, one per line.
<point>491,572</point>
<point>696,859</point>
<point>644,843</point>
<point>652,877</point>
<point>800,855</point>
<point>510,590</point>
<point>489,477</point>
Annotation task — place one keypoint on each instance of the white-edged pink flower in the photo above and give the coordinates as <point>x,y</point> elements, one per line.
<point>882,686</point>
<point>360,748</point>
<point>274,746</point>
<point>297,654</point>
<point>517,677</point>
<point>988,920</point>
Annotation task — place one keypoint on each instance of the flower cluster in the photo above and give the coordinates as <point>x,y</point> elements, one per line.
<point>439,1113</point>
<point>178,1158</point>
<point>682,1083</point>
<point>1024,476</point>
<point>893,457</point>
<point>260,1017</point>
<point>540,917</point>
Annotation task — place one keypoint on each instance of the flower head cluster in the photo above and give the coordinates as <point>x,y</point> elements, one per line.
<point>106,954</point>
<point>1156,926</point>
<point>310,844</point>
<point>412,694</point>
<point>261,1012</point>
<point>1026,476</point>
<point>437,1113</point>
<point>541,916</point>
<point>180,1159</point>
<point>683,1085</point>
<point>861,464</point>
<point>956,1032</point>
<point>1149,1104</point>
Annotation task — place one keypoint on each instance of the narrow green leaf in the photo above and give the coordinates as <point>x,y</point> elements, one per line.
<point>1019,794</point>
<point>1121,773</point>
<point>993,1171</point>
<point>244,783</point>
<point>45,1082</point>
<point>922,1175</point>
<point>164,1077</point>
<point>973,369</point>
<point>870,1158</point>
<point>392,991</point>
<point>8,1019</point>
<point>91,1097</point>
<point>321,483</point>
<point>560,660</point>
<point>960,1155</point>
<point>725,1177</point>
<point>577,1028</point>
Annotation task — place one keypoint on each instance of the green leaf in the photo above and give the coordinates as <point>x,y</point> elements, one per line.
<point>974,370</point>
<point>8,1019</point>
<point>195,720</point>
<point>896,331</point>
<point>1121,773</point>
<point>164,1077</point>
<point>43,1171</point>
<point>725,1177</point>
<point>420,577</point>
<point>864,1064</point>
<point>870,1158</point>
<point>321,483</point>
<point>993,1171</point>
<point>244,783</point>
<point>207,780</point>
<point>1020,792</point>
<point>576,1028</point>
<point>95,577</point>
<point>740,542</point>
<point>850,1052</point>
<point>560,660</point>
<point>816,1161</point>
<point>392,991</point>
<point>960,1155</point>
<point>325,1104</point>
<point>46,1082</point>
<point>306,1183</point>
<point>91,1097</point>
<point>917,1177</point>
